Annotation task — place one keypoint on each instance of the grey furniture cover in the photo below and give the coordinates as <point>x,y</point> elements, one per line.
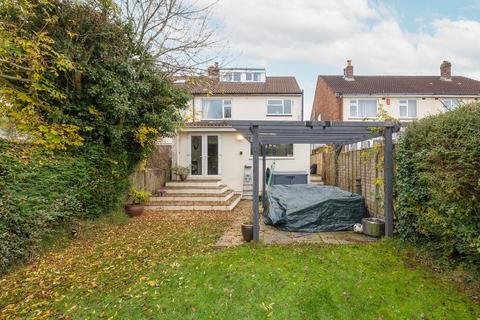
<point>313,208</point>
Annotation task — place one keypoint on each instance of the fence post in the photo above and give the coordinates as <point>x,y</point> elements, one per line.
<point>358,186</point>
<point>388,181</point>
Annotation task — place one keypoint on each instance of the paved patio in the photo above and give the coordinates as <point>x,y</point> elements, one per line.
<point>270,235</point>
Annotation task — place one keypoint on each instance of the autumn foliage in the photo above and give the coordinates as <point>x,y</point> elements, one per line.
<point>83,109</point>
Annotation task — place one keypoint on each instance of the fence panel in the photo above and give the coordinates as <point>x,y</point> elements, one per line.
<point>156,172</point>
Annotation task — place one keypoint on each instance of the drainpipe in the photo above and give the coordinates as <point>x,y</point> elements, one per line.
<point>302,104</point>
<point>193,108</point>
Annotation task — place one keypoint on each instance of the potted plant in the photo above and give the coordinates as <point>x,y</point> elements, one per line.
<point>135,200</point>
<point>181,171</point>
<point>247,230</point>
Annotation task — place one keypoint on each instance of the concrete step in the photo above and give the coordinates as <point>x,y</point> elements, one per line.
<point>196,206</point>
<point>315,178</point>
<point>195,183</point>
<point>199,197</point>
<point>318,183</point>
<point>217,190</point>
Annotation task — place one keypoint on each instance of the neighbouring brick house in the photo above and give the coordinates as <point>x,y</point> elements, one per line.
<point>351,97</point>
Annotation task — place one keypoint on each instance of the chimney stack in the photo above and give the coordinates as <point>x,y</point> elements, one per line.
<point>214,71</point>
<point>348,71</point>
<point>446,71</point>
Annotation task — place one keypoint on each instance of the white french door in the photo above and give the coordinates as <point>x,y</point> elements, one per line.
<point>204,155</point>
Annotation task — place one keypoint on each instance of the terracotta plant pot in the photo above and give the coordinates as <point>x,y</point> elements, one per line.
<point>247,232</point>
<point>134,210</point>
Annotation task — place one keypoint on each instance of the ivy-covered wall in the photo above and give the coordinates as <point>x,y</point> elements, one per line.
<point>438,184</point>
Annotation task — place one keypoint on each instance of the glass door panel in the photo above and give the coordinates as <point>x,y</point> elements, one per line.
<point>196,156</point>
<point>212,155</point>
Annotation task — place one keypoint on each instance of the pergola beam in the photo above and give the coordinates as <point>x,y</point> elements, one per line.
<point>261,133</point>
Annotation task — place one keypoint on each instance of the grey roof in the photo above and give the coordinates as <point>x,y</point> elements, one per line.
<point>425,85</point>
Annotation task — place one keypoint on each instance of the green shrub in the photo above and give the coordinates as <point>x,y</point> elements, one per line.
<point>39,190</point>
<point>438,184</point>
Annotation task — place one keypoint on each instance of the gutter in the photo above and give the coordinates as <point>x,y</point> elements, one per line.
<point>397,95</point>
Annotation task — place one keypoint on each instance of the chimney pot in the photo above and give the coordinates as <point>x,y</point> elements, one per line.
<point>348,71</point>
<point>214,71</point>
<point>446,71</point>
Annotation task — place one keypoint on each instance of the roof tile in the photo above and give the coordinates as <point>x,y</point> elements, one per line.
<point>428,85</point>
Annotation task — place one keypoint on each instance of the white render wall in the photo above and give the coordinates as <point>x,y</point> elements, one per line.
<point>426,106</point>
<point>235,154</point>
<point>249,107</point>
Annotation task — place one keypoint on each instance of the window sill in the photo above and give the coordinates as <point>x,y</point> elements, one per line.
<point>279,115</point>
<point>362,118</point>
<point>275,158</point>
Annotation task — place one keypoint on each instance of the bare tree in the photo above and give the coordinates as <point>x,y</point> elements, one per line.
<point>177,33</point>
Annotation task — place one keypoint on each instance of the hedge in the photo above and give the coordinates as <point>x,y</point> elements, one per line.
<point>40,190</point>
<point>438,184</point>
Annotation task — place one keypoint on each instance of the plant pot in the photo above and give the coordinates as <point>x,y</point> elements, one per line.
<point>247,232</point>
<point>183,177</point>
<point>134,210</point>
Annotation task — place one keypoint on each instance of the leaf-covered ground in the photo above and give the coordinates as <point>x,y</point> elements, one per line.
<point>163,266</point>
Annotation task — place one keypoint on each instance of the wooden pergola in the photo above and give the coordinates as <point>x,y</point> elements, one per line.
<point>261,133</point>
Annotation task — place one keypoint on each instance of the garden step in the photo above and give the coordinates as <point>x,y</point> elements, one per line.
<point>217,190</point>
<point>195,183</point>
<point>199,197</point>
<point>197,206</point>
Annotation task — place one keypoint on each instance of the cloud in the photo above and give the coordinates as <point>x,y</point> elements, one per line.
<point>324,34</point>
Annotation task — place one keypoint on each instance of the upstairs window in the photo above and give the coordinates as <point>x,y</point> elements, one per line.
<point>253,76</point>
<point>237,76</point>
<point>279,107</point>
<point>216,109</point>
<point>408,108</point>
<point>451,104</point>
<point>363,108</point>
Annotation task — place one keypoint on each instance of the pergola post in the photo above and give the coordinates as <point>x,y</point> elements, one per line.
<point>388,181</point>
<point>264,170</point>
<point>255,147</point>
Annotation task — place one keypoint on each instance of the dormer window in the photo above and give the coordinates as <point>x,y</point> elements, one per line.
<point>253,76</point>
<point>242,75</point>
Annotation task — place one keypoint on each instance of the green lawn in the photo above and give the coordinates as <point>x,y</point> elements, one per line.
<point>158,267</point>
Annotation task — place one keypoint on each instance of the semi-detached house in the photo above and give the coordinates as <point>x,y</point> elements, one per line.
<point>351,97</point>
<point>216,150</point>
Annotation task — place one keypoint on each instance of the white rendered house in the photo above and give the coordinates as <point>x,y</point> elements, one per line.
<point>217,151</point>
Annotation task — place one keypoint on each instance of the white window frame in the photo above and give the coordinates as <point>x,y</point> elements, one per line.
<point>452,103</point>
<point>354,103</point>
<point>405,103</point>
<point>226,103</point>
<point>282,105</point>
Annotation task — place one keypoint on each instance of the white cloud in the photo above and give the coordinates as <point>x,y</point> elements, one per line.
<point>325,33</point>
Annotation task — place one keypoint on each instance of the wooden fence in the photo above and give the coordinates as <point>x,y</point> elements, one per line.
<point>359,171</point>
<point>156,171</point>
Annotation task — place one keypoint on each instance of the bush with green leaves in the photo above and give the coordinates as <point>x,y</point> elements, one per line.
<point>88,110</point>
<point>438,184</point>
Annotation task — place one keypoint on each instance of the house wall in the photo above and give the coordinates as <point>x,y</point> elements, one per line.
<point>248,107</point>
<point>235,154</point>
<point>426,106</point>
<point>326,105</point>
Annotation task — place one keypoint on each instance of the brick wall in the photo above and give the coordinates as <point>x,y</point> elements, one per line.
<point>326,103</point>
<point>346,167</point>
